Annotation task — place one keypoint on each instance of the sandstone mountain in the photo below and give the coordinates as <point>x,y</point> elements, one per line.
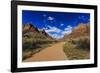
<point>29,28</point>
<point>80,31</point>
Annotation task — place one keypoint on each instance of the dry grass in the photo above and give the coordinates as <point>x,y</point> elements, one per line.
<point>33,43</point>
<point>77,49</point>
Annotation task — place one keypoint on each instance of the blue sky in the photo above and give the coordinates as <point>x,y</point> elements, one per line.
<point>56,24</point>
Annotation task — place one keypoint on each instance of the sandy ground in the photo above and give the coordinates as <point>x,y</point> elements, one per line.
<point>54,52</point>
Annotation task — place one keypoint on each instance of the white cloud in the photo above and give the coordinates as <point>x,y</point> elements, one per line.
<point>61,24</point>
<point>45,28</point>
<point>58,33</point>
<point>53,29</point>
<point>67,30</point>
<point>50,18</point>
<point>54,32</point>
<point>56,36</point>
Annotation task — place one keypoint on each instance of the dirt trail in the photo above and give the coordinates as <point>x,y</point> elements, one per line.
<point>54,52</point>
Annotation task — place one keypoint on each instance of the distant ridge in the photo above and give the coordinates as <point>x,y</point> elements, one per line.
<point>79,31</point>
<point>31,28</point>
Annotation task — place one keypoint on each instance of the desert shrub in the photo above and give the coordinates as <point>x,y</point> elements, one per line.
<point>77,48</point>
<point>27,45</point>
<point>33,43</point>
<point>83,43</point>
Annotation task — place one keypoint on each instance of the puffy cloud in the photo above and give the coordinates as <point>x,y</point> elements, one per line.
<point>67,30</point>
<point>61,24</point>
<point>50,18</point>
<point>53,29</point>
<point>54,32</point>
<point>58,33</point>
